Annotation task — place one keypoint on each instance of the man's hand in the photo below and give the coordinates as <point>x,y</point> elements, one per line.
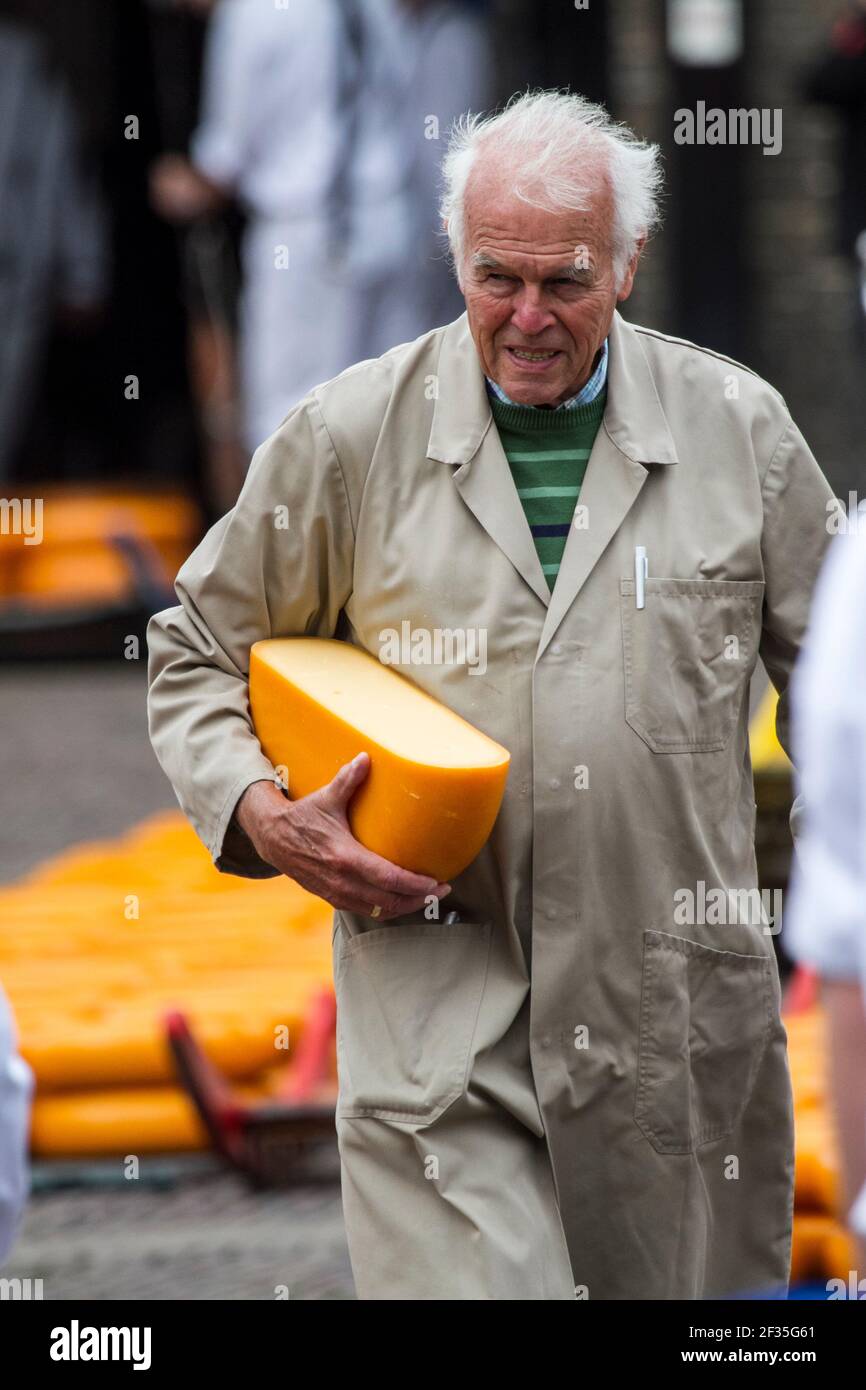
<point>179,193</point>
<point>309,840</point>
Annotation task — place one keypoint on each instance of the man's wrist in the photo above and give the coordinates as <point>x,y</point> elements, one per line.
<point>257,809</point>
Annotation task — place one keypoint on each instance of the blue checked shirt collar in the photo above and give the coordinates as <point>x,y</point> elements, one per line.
<point>585,395</point>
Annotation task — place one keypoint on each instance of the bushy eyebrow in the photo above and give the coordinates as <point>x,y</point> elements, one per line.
<point>579,274</point>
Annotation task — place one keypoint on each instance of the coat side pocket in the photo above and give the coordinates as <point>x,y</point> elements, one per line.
<point>705,1018</point>
<point>408,998</point>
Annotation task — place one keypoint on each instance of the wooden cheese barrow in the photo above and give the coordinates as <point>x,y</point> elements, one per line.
<point>264,1139</point>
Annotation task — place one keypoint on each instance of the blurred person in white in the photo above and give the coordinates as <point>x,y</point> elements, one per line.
<point>307,120</point>
<point>16,1087</point>
<point>825,925</point>
<point>443,52</point>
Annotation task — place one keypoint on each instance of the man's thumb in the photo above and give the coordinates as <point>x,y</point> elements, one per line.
<point>342,787</point>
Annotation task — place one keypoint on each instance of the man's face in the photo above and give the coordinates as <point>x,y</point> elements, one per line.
<point>539,289</point>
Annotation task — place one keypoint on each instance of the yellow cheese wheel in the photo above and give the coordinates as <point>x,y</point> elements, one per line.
<point>810,1234</point>
<point>78,559</point>
<point>116,1121</point>
<point>435,782</point>
<point>809,1083</point>
<point>817,1180</point>
<point>822,1248</point>
<point>134,1049</point>
<point>839,1253</point>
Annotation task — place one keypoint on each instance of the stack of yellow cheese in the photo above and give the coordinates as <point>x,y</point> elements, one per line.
<point>822,1247</point>
<point>66,552</point>
<point>99,943</point>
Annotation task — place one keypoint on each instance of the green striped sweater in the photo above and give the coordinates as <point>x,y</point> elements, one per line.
<point>547,451</point>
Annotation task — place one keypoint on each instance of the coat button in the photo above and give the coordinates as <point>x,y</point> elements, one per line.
<point>550,913</point>
<point>556,649</point>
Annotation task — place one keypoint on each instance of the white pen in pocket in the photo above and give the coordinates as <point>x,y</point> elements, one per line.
<point>641,573</point>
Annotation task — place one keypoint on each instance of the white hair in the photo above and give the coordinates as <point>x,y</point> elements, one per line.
<point>557,148</point>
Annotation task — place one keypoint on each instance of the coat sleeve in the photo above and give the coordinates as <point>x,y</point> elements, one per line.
<point>279,564</point>
<point>796,499</point>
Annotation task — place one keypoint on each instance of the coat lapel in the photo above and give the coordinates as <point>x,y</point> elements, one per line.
<point>463,433</point>
<point>633,435</point>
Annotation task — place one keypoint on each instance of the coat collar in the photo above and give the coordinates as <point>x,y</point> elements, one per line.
<point>634,433</point>
<point>633,418</point>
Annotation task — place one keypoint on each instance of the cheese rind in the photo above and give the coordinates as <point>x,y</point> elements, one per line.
<point>435,783</point>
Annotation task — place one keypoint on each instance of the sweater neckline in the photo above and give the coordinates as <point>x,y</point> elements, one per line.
<point>531,417</point>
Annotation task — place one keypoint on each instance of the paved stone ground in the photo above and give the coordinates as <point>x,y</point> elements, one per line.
<point>75,750</point>
<point>205,1236</point>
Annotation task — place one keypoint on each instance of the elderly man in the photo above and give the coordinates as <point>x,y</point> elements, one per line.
<point>579,1087</point>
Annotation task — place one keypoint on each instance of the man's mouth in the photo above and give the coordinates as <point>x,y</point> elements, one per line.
<point>528,355</point>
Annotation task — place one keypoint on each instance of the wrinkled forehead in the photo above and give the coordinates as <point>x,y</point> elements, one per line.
<point>499,221</point>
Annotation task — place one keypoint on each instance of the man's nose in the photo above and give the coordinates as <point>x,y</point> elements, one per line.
<point>530,315</point>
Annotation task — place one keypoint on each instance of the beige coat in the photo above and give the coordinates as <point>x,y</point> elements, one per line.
<point>624,1126</point>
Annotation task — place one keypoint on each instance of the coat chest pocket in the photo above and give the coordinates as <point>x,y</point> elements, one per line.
<point>687,656</point>
<point>408,998</point>
<point>705,1018</point>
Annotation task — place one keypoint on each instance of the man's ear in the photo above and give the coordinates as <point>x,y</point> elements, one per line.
<point>625,288</point>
